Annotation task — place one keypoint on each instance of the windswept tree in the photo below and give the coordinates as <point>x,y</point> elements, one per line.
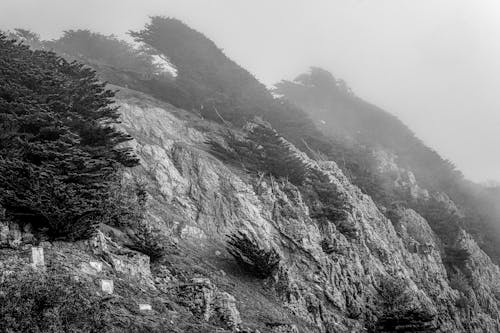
<point>60,152</point>
<point>98,49</point>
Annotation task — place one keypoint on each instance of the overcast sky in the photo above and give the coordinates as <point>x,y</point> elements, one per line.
<point>433,63</point>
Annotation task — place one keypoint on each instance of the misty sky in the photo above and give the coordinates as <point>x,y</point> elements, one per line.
<point>433,63</point>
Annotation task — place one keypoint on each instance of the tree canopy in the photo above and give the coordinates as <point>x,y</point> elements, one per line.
<point>59,149</point>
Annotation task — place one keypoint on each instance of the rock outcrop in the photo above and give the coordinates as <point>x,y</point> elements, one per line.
<point>358,267</point>
<point>327,281</point>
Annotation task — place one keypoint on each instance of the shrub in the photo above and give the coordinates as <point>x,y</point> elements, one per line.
<point>252,256</point>
<point>327,204</point>
<point>262,150</point>
<point>149,241</point>
<point>127,207</point>
<point>455,256</point>
<point>38,302</point>
<point>126,204</point>
<point>458,281</point>
<point>400,311</point>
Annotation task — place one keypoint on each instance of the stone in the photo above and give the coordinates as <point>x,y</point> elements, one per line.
<point>206,199</point>
<point>96,265</point>
<point>145,307</point>
<point>225,306</point>
<point>91,268</point>
<point>107,286</point>
<point>37,258</point>
<point>4,234</point>
<point>133,264</point>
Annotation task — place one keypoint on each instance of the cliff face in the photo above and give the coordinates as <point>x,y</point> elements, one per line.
<point>370,269</point>
<point>328,280</point>
<point>331,258</point>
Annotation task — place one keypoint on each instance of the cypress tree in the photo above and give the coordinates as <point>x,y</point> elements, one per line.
<point>59,149</point>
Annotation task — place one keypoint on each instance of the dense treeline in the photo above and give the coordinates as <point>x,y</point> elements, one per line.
<point>60,154</point>
<point>359,127</point>
<point>326,98</point>
<point>94,49</point>
<point>215,87</point>
<point>219,89</point>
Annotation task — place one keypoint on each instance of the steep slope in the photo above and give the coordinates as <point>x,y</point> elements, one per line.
<point>199,200</point>
<point>249,247</point>
<point>362,131</point>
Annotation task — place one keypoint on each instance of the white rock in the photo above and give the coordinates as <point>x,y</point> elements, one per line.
<point>145,307</point>
<point>107,286</point>
<point>96,265</point>
<point>37,258</point>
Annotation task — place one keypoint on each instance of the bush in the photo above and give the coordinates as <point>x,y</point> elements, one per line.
<point>455,256</point>
<point>327,204</point>
<point>38,302</point>
<point>149,241</point>
<point>458,281</point>
<point>262,150</point>
<point>400,312</point>
<point>252,256</point>
<point>126,204</point>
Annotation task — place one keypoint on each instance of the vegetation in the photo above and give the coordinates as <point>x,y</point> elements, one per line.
<point>60,153</point>
<point>251,255</point>
<point>39,302</point>
<point>399,310</point>
<point>327,98</point>
<point>455,256</point>
<point>354,128</point>
<point>149,241</point>
<point>86,46</point>
<point>327,204</point>
<point>96,50</point>
<point>263,150</point>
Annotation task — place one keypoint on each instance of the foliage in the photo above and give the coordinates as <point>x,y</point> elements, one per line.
<point>148,240</point>
<point>400,313</point>
<point>251,255</point>
<point>210,80</point>
<point>327,204</point>
<point>215,86</point>
<point>126,204</point>
<point>87,46</point>
<point>263,150</point>
<point>38,302</point>
<point>126,211</point>
<point>327,98</point>
<point>355,127</point>
<point>455,256</point>
<point>59,151</point>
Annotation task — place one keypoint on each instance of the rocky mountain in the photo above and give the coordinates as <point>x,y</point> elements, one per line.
<point>255,223</point>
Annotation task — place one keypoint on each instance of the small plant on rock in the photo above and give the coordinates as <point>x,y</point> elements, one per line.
<point>149,241</point>
<point>251,255</point>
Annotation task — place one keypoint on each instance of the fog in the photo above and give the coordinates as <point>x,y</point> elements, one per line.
<point>435,64</point>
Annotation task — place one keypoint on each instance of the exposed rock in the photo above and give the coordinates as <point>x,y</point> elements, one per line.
<point>327,281</point>
<point>131,263</point>
<point>11,236</point>
<point>225,307</point>
<point>204,299</point>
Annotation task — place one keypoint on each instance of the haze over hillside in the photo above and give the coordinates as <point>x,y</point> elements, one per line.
<point>198,200</point>
<point>433,65</point>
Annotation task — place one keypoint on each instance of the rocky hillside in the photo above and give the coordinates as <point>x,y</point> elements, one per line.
<point>332,274</point>
<point>251,226</point>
